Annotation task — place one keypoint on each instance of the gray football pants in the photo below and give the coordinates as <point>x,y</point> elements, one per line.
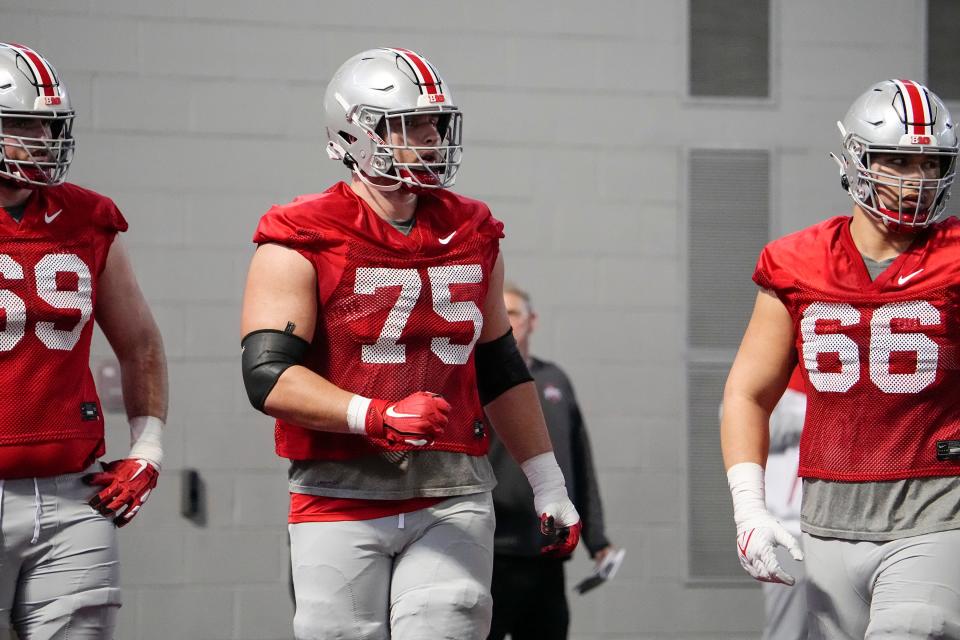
<point>906,589</point>
<point>785,608</point>
<point>425,575</point>
<point>59,572</point>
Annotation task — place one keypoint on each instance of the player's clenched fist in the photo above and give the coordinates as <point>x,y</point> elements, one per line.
<point>560,521</point>
<point>415,420</point>
<point>127,484</point>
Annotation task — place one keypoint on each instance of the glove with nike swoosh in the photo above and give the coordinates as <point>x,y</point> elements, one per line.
<point>416,420</point>
<point>127,483</point>
<point>758,532</point>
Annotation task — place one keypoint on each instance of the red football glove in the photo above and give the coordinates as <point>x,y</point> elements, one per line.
<point>128,483</point>
<point>416,420</point>
<point>567,533</point>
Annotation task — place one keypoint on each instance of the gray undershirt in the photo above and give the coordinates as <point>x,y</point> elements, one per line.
<point>404,227</point>
<point>880,510</point>
<point>418,474</point>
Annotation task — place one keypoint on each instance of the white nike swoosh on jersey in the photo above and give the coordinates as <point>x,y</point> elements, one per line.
<point>393,414</point>
<point>448,238</point>
<point>903,279</point>
<point>50,217</point>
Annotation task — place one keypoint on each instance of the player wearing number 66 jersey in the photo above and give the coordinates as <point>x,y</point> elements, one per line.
<point>870,307</point>
<point>61,267</point>
<point>375,332</point>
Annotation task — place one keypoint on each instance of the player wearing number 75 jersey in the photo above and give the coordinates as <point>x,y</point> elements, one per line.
<point>870,306</point>
<point>375,332</point>
<point>62,266</point>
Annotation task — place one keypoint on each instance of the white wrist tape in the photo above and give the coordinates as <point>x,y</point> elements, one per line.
<point>746,487</point>
<point>545,479</point>
<point>357,414</point>
<point>146,439</point>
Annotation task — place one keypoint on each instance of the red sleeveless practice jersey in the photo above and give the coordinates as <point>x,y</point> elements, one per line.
<point>396,314</point>
<point>880,358</point>
<point>50,417</point>
<point>796,382</point>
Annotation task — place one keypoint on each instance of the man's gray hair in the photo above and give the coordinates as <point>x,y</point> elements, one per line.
<point>513,289</point>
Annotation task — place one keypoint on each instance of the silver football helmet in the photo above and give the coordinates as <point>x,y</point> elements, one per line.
<point>370,104</point>
<point>898,117</point>
<point>36,120</point>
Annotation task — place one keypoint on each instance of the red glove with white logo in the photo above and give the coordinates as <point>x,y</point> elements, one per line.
<point>127,484</point>
<point>415,420</point>
<point>558,516</point>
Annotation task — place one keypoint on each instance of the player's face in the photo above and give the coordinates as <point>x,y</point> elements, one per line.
<point>20,143</point>
<point>521,319</point>
<point>421,131</point>
<point>911,168</point>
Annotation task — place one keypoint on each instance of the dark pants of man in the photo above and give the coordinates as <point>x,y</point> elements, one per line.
<point>529,599</point>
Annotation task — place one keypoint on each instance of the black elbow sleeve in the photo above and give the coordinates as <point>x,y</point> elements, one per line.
<point>500,367</point>
<point>266,354</point>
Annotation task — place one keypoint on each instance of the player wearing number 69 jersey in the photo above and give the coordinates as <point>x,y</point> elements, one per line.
<point>870,307</point>
<point>62,266</point>
<point>375,332</point>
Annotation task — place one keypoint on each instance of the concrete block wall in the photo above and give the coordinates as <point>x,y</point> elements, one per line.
<point>196,115</point>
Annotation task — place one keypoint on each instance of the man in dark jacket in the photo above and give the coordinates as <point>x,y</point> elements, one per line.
<point>529,599</point>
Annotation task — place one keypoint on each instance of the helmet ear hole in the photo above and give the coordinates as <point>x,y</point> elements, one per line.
<point>346,137</point>
<point>443,124</point>
<point>845,183</point>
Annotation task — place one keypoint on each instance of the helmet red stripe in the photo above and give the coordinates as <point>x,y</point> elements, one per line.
<point>916,105</point>
<point>47,82</point>
<point>429,80</point>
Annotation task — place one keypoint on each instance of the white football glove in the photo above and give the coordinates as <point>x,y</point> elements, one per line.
<point>758,532</point>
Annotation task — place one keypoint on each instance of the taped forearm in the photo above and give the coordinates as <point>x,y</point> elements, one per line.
<point>545,478</point>
<point>146,439</point>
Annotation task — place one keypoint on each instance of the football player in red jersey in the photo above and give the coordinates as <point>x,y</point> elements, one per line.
<point>61,265</point>
<point>375,332</point>
<point>868,306</point>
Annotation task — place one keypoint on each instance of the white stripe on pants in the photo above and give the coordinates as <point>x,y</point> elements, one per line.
<point>425,574</point>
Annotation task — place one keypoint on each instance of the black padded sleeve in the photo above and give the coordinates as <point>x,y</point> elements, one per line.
<point>500,367</point>
<point>267,353</point>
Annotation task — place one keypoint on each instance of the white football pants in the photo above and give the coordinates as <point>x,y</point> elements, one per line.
<point>785,608</point>
<point>906,589</point>
<point>423,575</point>
<point>59,572</point>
